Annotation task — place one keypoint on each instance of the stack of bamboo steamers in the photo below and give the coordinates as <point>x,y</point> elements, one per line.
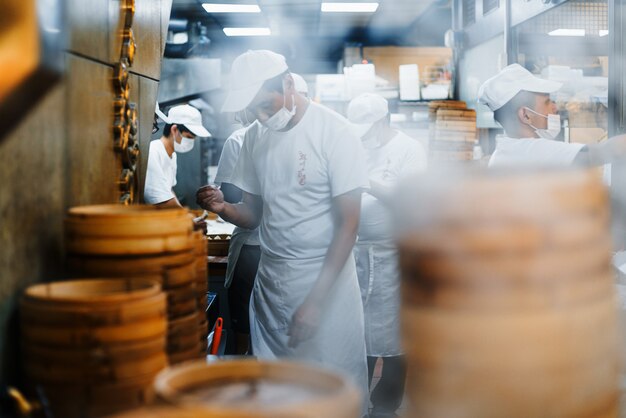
<point>509,309</point>
<point>95,345</point>
<point>452,131</point>
<point>143,242</point>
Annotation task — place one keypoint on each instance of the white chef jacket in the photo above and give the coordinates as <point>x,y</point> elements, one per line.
<point>533,151</point>
<point>160,175</point>
<point>375,251</point>
<point>225,168</point>
<point>298,173</point>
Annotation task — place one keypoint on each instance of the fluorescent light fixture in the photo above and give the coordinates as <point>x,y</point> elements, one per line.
<point>349,7</point>
<point>567,32</point>
<point>231,8</point>
<point>247,31</point>
<point>603,32</point>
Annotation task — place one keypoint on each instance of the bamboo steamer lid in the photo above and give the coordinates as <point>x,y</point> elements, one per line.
<point>259,389</point>
<point>35,312</point>
<point>127,221</point>
<point>92,292</point>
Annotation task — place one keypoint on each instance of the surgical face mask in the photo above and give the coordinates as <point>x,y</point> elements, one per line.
<point>186,145</point>
<point>371,139</point>
<point>553,129</point>
<point>280,119</point>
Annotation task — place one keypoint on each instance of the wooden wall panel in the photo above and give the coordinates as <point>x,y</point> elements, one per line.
<point>93,164</point>
<point>148,89</point>
<point>32,166</point>
<point>89,20</point>
<point>147,20</point>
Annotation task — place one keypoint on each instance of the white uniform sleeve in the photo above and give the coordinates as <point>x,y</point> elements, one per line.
<point>157,188</point>
<point>228,161</point>
<point>415,160</point>
<point>346,164</point>
<point>244,175</point>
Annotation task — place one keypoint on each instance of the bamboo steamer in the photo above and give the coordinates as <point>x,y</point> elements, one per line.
<point>92,292</point>
<point>185,354</point>
<point>126,266</point>
<point>512,312</point>
<point>43,371</point>
<point>253,389</point>
<point>94,356</point>
<point>166,412</point>
<point>36,312</point>
<point>127,230</point>
<point>94,346</point>
<point>126,221</point>
<point>98,400</point>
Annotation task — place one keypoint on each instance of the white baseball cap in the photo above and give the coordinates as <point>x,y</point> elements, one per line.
<point>501,88</point>
<point>185,115</point>
<point>365,110</point>
<point>248,73</point>
<point>299,84</point>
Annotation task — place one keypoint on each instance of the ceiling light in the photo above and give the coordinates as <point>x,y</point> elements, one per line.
<point>567,32</point>
<point>231,8</point>
<point>603,32</point>
<point>247,31</point>
<point>349,7</point>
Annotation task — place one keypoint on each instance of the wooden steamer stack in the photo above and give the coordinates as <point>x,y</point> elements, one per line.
<point>251,389</point>
<point>508,303</point>
<point>94,346</point>
<point>452,131</point>
<point>143,242</point>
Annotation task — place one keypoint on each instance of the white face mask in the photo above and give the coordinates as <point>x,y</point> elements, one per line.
<point>186,145</point>
<point>553,129</point>
<point>371,139</point>
<point>280,119</point>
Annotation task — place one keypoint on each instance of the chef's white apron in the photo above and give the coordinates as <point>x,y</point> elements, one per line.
<point>280,288</point>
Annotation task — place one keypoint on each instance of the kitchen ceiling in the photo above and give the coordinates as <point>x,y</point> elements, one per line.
<point>299,27</point>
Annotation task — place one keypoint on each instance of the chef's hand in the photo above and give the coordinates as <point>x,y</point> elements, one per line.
<point>304,324</point>
<point>199,224</point>
<point>210,198</point>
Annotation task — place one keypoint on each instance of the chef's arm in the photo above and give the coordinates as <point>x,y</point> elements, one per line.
<point>605,152</point>
<point>346,211</point>
<point>381,192</point>
<point>173,203</point>
<point>246,214</point>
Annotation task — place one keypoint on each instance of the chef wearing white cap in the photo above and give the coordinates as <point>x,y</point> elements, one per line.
<point>521,104</point>
<point>243,251</point>
<point>183,124</point>
<point>391,155</point>
<point>302,171</point>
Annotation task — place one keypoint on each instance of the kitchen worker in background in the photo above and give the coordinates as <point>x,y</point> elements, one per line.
<point>301,170</point>
<point>182,125</point>
<point>391,155</point>
<point>521,104</point>
<point>244,251</point>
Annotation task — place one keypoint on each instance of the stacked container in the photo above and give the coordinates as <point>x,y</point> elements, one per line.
<point>94,346</point>
<point>144,242</point>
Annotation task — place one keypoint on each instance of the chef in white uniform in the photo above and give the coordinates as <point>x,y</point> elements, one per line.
<point>391,155</point>
<point>244,250</point>
<point>302,170</point>
<point>182,125</point>
<point>521,104</point>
